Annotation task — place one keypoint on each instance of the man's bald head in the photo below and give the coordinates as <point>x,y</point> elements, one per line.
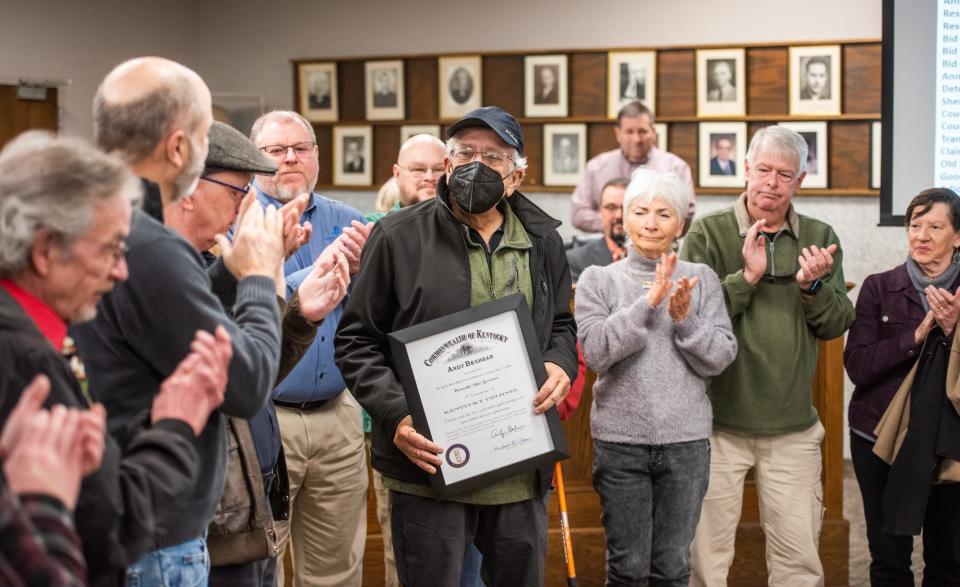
<point>419,166</point>
<point>142,101</point>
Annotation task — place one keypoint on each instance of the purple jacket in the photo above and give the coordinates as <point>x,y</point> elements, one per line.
<point>880,349</point>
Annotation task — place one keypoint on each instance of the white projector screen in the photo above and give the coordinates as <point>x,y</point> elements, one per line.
<point>921,101</point>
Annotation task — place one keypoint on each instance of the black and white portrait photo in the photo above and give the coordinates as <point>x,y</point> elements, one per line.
<point>720,82</point>
<point>632,75</point>
<point>565,153</point>
<point>814,80</point>
<point>460,85</point>
<point>815,135</point>
<point>318,91</point>
<point>384,89</point>
<point>722,151</point>
<point>352,164</point>
<point>545,85</point>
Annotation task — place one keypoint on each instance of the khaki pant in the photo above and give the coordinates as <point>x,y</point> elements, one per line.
<point>328,493</point>
<point>790,491</point>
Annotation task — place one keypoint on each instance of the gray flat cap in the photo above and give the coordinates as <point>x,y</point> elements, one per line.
<point>230,150</point>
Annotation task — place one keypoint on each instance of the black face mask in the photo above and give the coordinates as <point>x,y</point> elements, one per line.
<point>476,187</point>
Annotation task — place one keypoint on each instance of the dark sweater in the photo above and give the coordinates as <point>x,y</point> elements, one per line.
<point>121,503</point>
<point>143,330</point>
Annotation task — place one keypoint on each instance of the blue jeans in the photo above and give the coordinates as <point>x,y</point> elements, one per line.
<point>183,565</point>
<point>470,572</point>
<point>650,499</point>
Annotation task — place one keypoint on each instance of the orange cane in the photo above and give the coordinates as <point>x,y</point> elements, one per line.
<point>565,528</point>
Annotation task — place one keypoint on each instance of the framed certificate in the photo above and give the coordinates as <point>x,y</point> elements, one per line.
<point>470,379</point>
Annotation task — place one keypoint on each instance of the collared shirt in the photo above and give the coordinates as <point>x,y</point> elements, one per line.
<point>585,204</point>
<point>315,377</point>
<point>53,328</point>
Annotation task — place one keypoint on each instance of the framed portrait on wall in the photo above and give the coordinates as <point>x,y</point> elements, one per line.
<point>876,142</point>
<point>814,74</point>
<point>564,153</point>
<point>317,98</point>
<point>384,90</point>
<point>545,86</point>
<point>461,85</point>
<point>723,148</point>
<point>721,82</point>
<point>661,129</point>
<point>818,161</point>
<point>409,130</point>
<point>631,75</point>
<point>352,155</point>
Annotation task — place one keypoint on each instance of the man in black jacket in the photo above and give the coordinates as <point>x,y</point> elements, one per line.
<point>479,239</point>
<point>67,215</point>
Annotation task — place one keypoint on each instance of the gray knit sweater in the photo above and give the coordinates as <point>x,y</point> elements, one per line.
<point>650,387</point>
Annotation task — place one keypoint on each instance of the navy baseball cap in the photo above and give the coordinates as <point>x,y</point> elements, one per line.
<point>499,121</point>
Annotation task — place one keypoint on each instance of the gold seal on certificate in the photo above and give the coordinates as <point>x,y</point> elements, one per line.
<point>470,379</point>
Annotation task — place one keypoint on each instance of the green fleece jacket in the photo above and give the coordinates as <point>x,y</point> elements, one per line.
<point>768,389</point>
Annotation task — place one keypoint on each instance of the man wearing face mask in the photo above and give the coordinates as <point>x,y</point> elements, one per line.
<point>480,239</point>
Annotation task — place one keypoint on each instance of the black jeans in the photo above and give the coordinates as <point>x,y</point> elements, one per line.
<point>430,539</point>
<point>891,555</point>
<point>650,498</point>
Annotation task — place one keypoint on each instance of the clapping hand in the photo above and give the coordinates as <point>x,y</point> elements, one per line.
<point>944,306</point>
<point>325,287</point>
<point>258,243</point>
<point>295,235</point>
<point>662,283</point>
<point>754,253</point>
<point>679,307</point>
<point>814,264</point>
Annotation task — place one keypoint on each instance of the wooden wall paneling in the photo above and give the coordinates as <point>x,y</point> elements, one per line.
<point>683,144</point>
<point>849,152</point>
<point>600,138</point>
<point>767,80</point>
<point>862,73</point>
<point>533,150</point>
<point>588,84</point>
<point>503,83</point>
<point>676,83</point>
<point>325,153</point>
<point>753,127</point>
<point>17,116</point>
<point>386,145</point>
<point>351,86</point>
<point>423,91</point>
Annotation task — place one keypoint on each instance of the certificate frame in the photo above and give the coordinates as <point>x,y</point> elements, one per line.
<point>456,329</point>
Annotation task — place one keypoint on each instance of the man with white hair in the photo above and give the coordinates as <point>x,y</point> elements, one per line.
<point>320,422</point>
<point>479,239</point>
<point>66,218</point>
<point>156,114</point>
<point>783,284</point>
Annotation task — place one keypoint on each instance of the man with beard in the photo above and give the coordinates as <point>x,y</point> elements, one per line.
<point>610,247</point>
<point>479,239</point>
<point>419,165</point>
<point>155,114</point>
<point>66,217</point>
<point>636,140</point>
<point>320,422</point>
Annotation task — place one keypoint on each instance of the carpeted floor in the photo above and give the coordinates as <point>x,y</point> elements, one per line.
<point>859,552</point>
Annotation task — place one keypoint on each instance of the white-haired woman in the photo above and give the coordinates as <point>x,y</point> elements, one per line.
<point>652,328</point>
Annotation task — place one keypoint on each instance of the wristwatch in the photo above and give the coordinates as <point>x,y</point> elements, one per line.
<point>813,289</point>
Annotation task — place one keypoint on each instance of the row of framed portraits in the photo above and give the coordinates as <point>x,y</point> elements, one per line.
<point>722,151</point>
<point>814,84</point>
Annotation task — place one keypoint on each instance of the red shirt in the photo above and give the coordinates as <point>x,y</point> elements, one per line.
<point>53,328</point>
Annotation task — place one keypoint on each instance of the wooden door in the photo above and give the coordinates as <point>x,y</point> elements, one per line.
<point>18,115</point>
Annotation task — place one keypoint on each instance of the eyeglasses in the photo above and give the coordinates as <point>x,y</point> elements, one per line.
<point>118,251</point>
<point>465,154</point>
<point>234,188</point>
<point>418,171</point>
<point>763,172</point>
<point>301,150</point>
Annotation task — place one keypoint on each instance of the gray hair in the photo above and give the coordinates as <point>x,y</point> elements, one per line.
<point>647,185</point>
<point>519,160</point>
<point>274,115</point>
<point>634,109</point>
<point>56,184</point>
<point>782,141</point>
<point>133,129</point>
